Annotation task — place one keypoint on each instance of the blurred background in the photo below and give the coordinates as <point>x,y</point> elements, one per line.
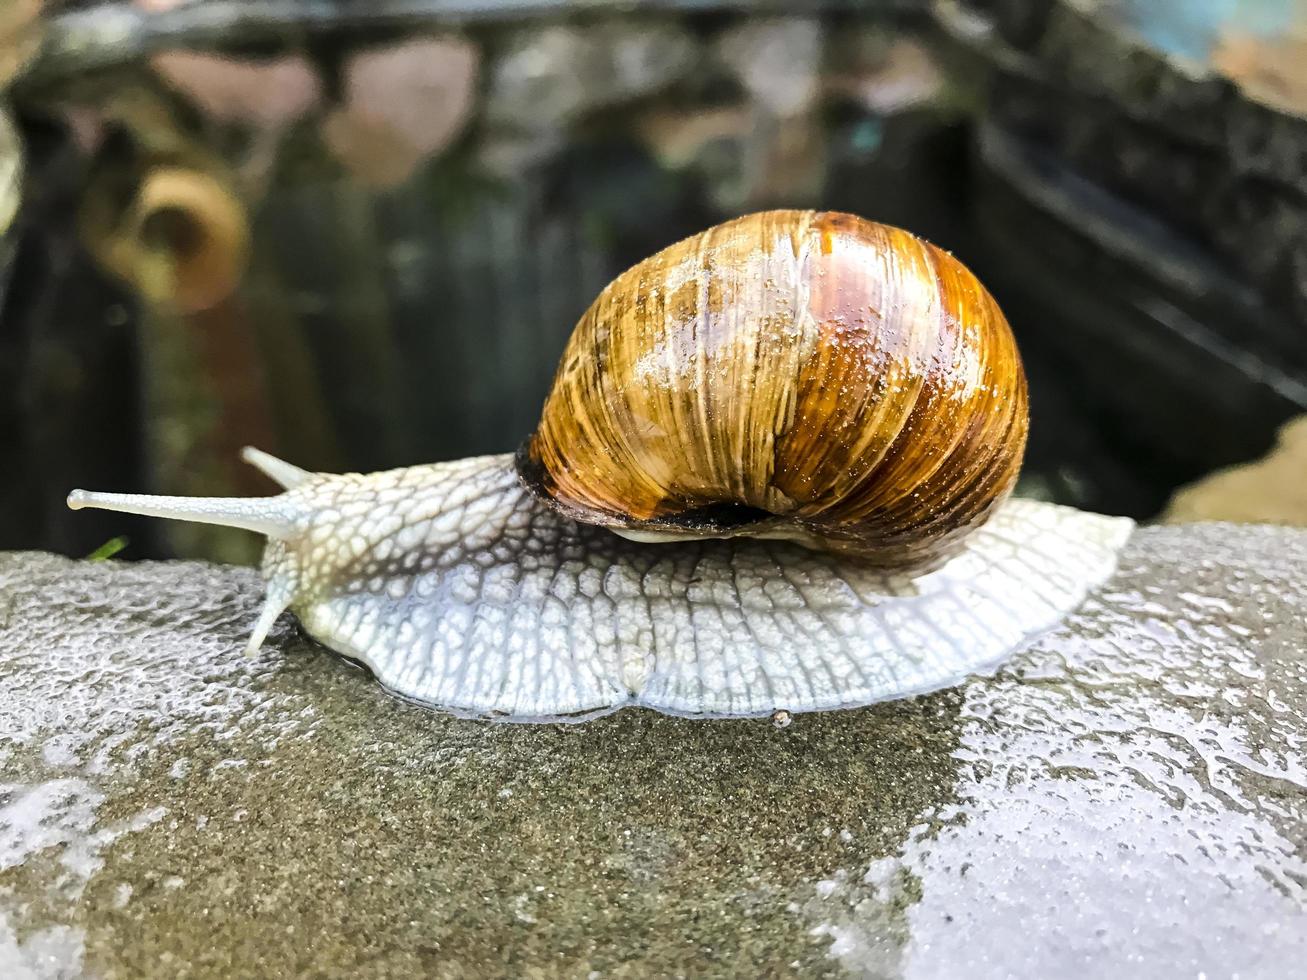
<point>357,233</point>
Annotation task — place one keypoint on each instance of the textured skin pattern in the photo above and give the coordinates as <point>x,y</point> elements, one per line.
<point>459,589</point>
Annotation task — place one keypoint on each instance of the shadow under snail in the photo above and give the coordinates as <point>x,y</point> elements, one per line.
<point>803,429</point>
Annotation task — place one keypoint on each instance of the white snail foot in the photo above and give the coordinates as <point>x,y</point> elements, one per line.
<point>472,597</point>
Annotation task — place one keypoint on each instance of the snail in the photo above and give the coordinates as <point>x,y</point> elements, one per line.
<point>773,475</point>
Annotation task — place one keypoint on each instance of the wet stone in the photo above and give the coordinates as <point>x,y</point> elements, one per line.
<point>1268,490</point>
<point>1126,798</point>
<point>778,62</point>
<point>11,171</point>
<point>544,78</point>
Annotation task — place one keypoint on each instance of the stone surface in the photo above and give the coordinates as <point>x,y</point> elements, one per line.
<point>1152,363</point>
<point>11,171</point>
<point>550,76</point>
<point>20,36</point>
<point>1270,490</point>
<point>1127,798</point>
<point>778,62</point>
<point>906,75</point>
<point>403,104</point>
<point>267,94</point>
<point>1164,104</point>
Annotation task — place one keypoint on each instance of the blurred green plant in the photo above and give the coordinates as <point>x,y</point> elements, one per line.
<point>108,549</point>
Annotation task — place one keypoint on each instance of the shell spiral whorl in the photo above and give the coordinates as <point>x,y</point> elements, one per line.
<point>799,374</point>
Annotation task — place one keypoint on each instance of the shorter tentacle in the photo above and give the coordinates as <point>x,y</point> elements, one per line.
<point>277,600</point>
<point>287,475</point>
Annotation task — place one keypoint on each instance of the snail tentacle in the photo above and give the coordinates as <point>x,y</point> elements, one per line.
<point>274,517</point>
<point>284,474</point>
<point>276,600</point>
<point>462,590</point>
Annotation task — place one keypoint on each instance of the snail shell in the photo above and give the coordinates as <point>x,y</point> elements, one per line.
<point>872,551</point>
<point>183,240</point>
<point>795,374</point>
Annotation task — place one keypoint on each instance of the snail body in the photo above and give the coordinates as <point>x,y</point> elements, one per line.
<point>804,429</point>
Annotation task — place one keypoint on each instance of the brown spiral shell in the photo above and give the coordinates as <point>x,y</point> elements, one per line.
<point>795,374</point>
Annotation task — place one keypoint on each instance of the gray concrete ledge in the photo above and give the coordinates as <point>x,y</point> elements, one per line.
<point>1127,798</point>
